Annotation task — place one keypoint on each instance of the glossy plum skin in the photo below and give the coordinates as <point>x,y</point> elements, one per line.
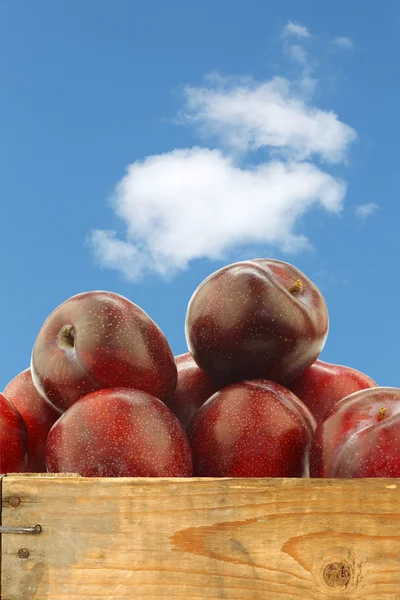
<point>252,320</point>
<point>38,415</point>
<point>97,340</point>
<point>194,387</point>
<point>13,439</point>
<point>359,439</point>
<point>251,429</point>
<point>323,384</point>
<point>119,433</point>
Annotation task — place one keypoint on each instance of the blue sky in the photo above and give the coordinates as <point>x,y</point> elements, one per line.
<point>145,145</point>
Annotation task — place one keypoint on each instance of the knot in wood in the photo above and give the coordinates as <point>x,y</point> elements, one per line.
<point>337,574</point>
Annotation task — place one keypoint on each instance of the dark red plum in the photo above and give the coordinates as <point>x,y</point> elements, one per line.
<point>323,384</point>
<point>119,433</point>
<point>260,318</point>
<point>13,439</point>
<point>97,340</point>
<point>252,429</point>
<point>194,387</point>
<point>359,437</point>
<point>38,415</point>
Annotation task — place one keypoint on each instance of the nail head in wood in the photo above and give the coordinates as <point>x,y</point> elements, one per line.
<point>14,501</point>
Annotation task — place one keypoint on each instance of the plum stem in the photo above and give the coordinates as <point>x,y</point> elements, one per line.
<point>68,335</point>
<point>296,286</point>
<point>382,413</point>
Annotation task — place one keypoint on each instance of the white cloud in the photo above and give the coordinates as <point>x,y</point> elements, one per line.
<point>305,85</point>
<point>249,115</point>
<point>196,203</point>
<point>296,30</point>
<point>344,42</point>
<point>363,211</point>
<point>299,54</point>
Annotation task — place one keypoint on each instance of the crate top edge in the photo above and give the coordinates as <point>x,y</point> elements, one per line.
<point>388,483</point>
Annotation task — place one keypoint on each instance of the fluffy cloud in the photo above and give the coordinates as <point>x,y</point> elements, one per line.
<point>198,202</point>
<point>249,115</point>
<point>344,42</point>
<point>298,53</point>
<point>296,30</point>
<point>363,211</point>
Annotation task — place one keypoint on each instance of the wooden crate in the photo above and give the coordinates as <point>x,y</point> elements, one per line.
<point>203,539</point>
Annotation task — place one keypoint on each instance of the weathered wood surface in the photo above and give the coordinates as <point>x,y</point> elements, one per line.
<point>231,539</point>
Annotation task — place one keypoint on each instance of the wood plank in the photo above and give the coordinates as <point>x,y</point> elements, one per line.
<point>204,539</point>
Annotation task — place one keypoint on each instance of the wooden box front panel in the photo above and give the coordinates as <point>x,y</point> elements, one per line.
<point>200,539</point>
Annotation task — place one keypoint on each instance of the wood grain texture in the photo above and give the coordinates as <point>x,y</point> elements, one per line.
<point>206,539</point>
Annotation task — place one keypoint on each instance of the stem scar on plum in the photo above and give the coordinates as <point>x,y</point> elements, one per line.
<point>67,336</point>
<point>382,413</point>
<point>296,287</point>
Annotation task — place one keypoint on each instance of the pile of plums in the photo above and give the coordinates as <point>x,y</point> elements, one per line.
<point>105,397</point>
